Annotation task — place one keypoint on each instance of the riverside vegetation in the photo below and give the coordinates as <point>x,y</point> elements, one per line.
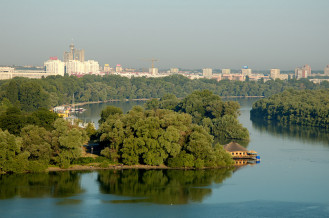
<point>307,108</point>
<point>177,133</point>
<point>31,94</point>
<point>39,139</point>
<point>169,131</point>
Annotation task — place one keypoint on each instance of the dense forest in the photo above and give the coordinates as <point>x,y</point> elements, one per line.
<point>31,94</point>
<point>307,107</point>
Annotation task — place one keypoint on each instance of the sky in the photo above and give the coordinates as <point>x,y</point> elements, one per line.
<point>190,34</point>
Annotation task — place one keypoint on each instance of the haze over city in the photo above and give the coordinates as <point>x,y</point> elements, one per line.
<point>187,34</point>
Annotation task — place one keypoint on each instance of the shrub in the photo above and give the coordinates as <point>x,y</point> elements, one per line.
<point>104,164</point>
<point>83,160</point>
<point>199,164</point>
<point>37,166</point>
<point>182,160</point>
<point>100,159</point>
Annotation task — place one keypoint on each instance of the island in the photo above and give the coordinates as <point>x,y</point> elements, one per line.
<point>306,108</point>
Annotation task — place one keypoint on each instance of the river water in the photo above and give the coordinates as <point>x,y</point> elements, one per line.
<point>291,181</point>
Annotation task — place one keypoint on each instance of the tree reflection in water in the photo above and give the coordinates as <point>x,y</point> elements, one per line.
<point>309,134</point>
<point>54,184</point>
<point>161,186</point>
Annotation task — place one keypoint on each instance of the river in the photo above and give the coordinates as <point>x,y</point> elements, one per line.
<point>291,181</point>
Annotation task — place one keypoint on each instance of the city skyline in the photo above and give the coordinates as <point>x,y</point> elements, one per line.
<point>185,34</point>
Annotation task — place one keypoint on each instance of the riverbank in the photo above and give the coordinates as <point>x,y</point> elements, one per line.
<point>123,167</point>
<point>143,99</point>
<point>110,167</point>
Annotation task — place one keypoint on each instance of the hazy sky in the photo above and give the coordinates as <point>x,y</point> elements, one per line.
<point>262,34</point>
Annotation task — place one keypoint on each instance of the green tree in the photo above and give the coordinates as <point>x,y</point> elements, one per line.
<point>109,110</point>
<point>12,158</point>
<point>69,142</point>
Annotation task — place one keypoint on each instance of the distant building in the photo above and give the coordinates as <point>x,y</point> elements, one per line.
<point>74,67</point>
<point>174,70</point>
<point>74,54</point>
<point>226,71</point>
<point>246,71</point>
<point>118,68</point>
<point>130,70</point>
<point>207,73</point>
<point>308,69</point>
<point>78,67</point>
<point>275,73</point>
<point>303,72</point>
<point>153,71</point>
<point>238,77</point>
<point>6,73</point>
<point>107,68</point>
<point>326,71</point>
<point>54,66</point>
<point>91,67</point>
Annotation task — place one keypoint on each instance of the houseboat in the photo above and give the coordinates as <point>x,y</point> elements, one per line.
<point>239,152</point>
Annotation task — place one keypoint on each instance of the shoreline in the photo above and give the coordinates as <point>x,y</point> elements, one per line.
<point>142,99</point>
<point>124,167</point>
<point>110,167</point>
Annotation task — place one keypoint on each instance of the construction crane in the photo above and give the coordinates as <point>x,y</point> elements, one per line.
<point>152,60</point>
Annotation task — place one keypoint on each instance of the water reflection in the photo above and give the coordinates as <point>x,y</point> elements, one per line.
<point>93,111</point>
<point>54,184</point>
<point>160,186</point>
<point>312,135</point>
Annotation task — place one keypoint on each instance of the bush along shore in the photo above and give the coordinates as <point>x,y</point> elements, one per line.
<point>166,133</point>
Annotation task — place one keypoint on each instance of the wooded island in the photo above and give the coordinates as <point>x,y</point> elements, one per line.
<point>307,108</point>
<point>169,132</point>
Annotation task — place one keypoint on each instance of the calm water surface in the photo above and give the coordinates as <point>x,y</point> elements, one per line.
<point>291,181</point>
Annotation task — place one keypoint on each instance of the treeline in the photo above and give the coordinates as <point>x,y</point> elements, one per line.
<point>172,132</point>
<point>31,94</point>
<point>219,118</point>
<point>307,107</point>
<point>30,142</point>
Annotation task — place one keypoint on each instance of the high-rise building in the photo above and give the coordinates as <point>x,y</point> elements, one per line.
<point>54,66</point>
<point>246,71</point>
<point>118,68</point>
<point>107,68</point>
<point>74,54</point>
<point>174,70</point>
<point>207,73</point>
<point>78,67</point>
<point>303,72</point>
<point>275,73</point>
<point>91,66</point>
<point>226,71</point>
<point>326,71</point>
<point>74,67</point>
<point>308,69</point>
<point>153,71</point>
